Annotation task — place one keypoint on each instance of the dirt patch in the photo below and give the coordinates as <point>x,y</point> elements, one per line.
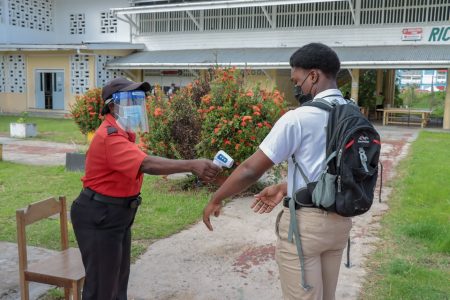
<point>253,256</point>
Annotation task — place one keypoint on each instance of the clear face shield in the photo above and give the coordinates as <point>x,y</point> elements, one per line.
<point>130,112</point>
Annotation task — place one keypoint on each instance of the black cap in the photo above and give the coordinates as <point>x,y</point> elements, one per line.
<point>123,85</point>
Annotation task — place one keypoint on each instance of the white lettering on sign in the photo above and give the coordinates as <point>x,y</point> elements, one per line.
<point>412,34</point>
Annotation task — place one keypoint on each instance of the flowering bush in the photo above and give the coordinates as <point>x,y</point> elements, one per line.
<point>158,140</point>
<point>86,110</point>
<point>235,119</point>
<point>175,124</point>
<point>215,112</point>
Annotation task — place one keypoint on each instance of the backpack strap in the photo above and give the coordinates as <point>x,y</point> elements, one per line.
<point>293,232</point>
<point>297,166</point>
<point>321,103</point>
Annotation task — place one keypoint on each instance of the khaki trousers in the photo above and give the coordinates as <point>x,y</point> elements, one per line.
<point>324,236</point>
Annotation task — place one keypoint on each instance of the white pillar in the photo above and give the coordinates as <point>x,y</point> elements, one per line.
<point>446,122</point>
<point>355,85</point>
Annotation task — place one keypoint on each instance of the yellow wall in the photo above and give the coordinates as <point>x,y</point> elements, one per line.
<point>271,79</point>
<point>286,87</point>
<point>52,60</point>
<point>13,102</point>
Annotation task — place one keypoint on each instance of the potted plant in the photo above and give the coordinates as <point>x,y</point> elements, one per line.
<point>21,128</point>
<point>86,111</point>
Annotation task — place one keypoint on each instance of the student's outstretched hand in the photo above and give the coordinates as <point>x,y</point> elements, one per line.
<point>268,198</point>
<point>212,208</point>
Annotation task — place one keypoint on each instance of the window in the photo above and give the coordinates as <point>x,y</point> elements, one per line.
<point>79,73</point>
<point>108,22</point>
<point>77,24</point>
<point>31,14</point>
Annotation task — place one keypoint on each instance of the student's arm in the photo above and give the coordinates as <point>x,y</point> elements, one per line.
<point>244,176</point>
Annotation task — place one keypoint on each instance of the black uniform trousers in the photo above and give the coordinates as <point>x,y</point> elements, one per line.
<point>104,237</point>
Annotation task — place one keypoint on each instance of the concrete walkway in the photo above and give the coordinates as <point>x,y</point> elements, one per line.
<point>32,152</point>
<point>236,261</point>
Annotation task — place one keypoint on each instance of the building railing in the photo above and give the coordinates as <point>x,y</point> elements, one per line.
<point>321,14</point>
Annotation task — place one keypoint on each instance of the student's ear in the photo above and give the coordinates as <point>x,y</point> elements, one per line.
<point>315,76</point>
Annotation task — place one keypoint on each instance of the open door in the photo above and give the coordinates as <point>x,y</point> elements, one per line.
<point>49,89</point>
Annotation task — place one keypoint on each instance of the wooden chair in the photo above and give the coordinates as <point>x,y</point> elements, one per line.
<point>63,269</point>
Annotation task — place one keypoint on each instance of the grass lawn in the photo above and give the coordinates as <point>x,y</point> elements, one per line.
<point>162,213</point>
<point>413,259</point>
<point>49,129</point>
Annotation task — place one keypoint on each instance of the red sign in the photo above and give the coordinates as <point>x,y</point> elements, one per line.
<point>412,34</point>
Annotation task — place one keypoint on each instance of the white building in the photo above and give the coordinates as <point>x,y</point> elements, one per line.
<point>169,41</point>
<point>424,80</point>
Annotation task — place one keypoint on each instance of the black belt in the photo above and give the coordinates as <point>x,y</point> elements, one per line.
<point>296,204</point>
<point>132,202</point>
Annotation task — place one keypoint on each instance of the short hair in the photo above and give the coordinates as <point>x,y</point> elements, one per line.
<point>316,56</point>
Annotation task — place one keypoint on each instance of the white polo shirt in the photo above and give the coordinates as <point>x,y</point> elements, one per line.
<point>301,132</point>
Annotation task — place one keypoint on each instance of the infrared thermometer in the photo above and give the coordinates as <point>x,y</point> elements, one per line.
<point>222,159</point>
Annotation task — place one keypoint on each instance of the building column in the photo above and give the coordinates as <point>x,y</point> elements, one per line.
<point>389,88</point>
<point>380,79</point>
<point>355,85</point>
<point>447,103</point>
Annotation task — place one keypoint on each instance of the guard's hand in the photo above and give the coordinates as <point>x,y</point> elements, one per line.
<point>267,199</point>
<point>211,208</point>
<point>205,169</point>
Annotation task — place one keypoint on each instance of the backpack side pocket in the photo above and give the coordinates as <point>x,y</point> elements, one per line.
<point>324,195</point>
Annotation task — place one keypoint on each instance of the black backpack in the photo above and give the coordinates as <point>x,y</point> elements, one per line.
<point>352,151</point>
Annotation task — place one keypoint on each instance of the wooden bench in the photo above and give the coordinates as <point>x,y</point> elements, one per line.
<point>65,268</point>
<point>390,113</point>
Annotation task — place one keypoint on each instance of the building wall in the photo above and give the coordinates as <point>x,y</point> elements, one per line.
<point>60,22</point>
<point>13,102</point>
<point>76,80</point>
<point>335,37</point>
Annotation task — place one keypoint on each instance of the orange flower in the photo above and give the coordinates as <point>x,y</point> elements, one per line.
<point>226,142</point>
<point>246,118</point>
<point>158,112</point>
<point>256,108</point>
<point>257,113</point>
<point>243,124</point>
<point>237,146</point>
<point>260,125</point>
<point>253,138</point>
<point>216,130</point>
<point>206,99</point>
<point>249,93</point>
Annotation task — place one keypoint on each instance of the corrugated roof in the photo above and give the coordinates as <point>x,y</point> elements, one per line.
<point>371,57</point>
<point>82,46</point>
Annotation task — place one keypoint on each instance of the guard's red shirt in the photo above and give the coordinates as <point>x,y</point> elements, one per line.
<point>113,162</point>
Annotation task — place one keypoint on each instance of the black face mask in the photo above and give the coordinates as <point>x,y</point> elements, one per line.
<point>301,97</point>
